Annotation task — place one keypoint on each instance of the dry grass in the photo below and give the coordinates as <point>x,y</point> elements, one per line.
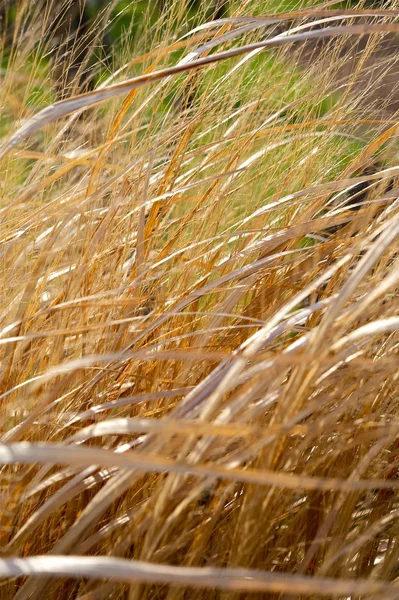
<point>199,379</point>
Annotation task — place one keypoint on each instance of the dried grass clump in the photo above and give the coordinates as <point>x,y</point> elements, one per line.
<point>199,331</point>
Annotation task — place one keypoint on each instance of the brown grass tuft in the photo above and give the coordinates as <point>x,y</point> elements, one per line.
<point>199,308</point>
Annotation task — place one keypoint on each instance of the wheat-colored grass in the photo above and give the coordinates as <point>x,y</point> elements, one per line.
<point>198,339</point>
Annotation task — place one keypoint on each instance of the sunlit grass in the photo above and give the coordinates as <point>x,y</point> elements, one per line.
<point>198,336</point>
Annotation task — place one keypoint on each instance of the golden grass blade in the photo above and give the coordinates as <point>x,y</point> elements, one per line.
<point>85,101</point>
<point>374,328</point>
<point>206,577</point>
<point>27,453</point>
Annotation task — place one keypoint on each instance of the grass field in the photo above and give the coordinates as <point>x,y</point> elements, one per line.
<point>199,305</point>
